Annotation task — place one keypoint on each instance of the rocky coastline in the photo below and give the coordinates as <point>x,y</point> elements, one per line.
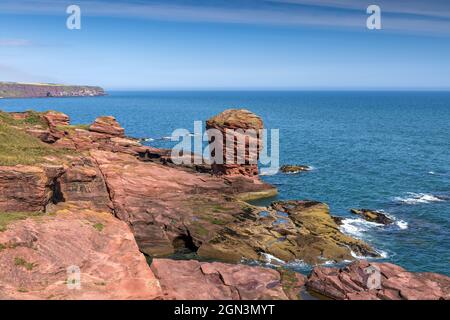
<point>124,214</point>
<point>44,90</point>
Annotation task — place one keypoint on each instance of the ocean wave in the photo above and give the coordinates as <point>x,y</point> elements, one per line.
<point>383,255</point>
<point>356,226</point>
<point>401,224</point>
<point>419,198</point>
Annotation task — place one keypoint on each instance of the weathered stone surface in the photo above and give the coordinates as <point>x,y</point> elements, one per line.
<point>56,119</point>
<point>83,183</point>
<point>35,254</point>
<point>195,280</point>
<point>358,281</point>
<point>372,216</point>
<point>26,188</point>
<point>165,206</point>
<point>291,230</point>
<point>233,161</point>
<point>107,125</point>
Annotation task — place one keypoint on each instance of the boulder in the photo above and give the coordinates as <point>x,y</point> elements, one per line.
<point>236,125</point>
<point>193,280</point>
<point>372,216</point>
<point>107,125</point>
<point>365,280</point>
<point>39,254</point>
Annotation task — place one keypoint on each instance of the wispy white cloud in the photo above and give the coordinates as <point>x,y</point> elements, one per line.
<point>433,8</point>
<point>15,43</point>
<point>415,17</point>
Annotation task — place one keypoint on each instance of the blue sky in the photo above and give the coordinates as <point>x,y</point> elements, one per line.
<point>228,44</point>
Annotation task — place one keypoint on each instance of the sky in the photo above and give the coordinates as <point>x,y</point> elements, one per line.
<point>228,44</point>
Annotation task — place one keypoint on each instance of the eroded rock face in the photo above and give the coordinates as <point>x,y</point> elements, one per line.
<point>107,125</point>
<point>166,206</point>
<point>82,183</point>
<point>182,280</point>
<point>27,188</point>
<point>228,122</point>
<point>35,254</point>
<point>56,119</point>
<point>358,281</point>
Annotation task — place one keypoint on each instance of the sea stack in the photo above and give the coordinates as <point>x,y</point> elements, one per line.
<point>242,130</point>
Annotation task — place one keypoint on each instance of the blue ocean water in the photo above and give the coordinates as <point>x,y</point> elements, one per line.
<point>380,150</point>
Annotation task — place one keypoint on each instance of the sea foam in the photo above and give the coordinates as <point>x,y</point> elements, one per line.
<point>418,198</point>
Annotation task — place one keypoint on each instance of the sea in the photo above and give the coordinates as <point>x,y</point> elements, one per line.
<point>386,151</point>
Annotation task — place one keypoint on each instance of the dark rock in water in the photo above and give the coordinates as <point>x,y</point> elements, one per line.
<point>294,168</point>
<point>372,216</point>
<point>337,220</point>
<point>377,281</point>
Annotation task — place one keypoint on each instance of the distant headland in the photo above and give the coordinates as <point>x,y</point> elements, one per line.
<point>42,90</point>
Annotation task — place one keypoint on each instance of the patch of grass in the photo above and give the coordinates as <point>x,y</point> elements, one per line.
<point>23,263</point>
<point>99,226</point>
<point>18,147</point>
<point>8,217</point>
<point>100,283</point>
<point>22,290</point>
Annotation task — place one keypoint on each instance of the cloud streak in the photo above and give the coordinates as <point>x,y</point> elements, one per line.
<point>416,17</point>
<point>15,43</point>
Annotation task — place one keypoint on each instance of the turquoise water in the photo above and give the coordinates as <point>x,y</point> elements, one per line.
<point>380,150</point>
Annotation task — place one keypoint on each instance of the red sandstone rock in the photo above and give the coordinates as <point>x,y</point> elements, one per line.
<point>245,125</point>
<point>83,183</point>
<point>56,119</point>
<point>194,280</point>
<point>107,125</point>
<point>26,188</point>
<point>35,254</point>
<point>353,282</point>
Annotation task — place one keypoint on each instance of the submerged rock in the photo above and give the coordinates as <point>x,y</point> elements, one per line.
<point>372,216</point>
<point>377,281</point>
<point>294,168</point>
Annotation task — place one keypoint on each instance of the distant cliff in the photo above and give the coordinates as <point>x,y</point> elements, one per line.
<point>38,90</point>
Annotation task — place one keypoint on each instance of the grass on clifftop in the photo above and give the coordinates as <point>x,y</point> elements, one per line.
<point>18,147</point>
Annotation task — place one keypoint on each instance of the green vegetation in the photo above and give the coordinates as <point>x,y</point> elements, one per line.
<point>8,217</point>
<point>23,263</point>
<point>18,147</point>
<point>99,226</point>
